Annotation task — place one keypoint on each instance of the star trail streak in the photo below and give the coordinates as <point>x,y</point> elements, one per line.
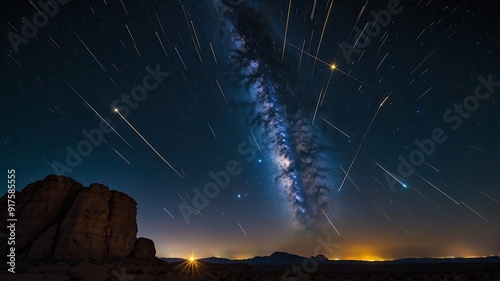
<point>139,134</point>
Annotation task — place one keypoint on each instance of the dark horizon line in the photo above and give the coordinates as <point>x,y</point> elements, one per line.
<point>359,260</point>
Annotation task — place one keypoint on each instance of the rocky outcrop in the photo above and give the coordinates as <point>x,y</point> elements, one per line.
<point>39,206</point>
<point>59,217</point>
<point>144,249</point>
<point>122,224</point>
<point>43,245</point>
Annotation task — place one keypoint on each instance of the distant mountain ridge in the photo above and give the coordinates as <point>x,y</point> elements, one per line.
<point>283,258</point>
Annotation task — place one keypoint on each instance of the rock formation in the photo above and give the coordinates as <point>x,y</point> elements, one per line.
<point>144,248</point>
<point>59,217</point>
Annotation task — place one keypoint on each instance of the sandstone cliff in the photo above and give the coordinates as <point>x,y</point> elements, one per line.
<point>59,217</point>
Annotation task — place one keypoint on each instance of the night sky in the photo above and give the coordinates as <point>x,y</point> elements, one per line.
<point>209,91</point>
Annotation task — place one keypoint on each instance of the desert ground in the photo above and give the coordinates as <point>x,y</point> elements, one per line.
<point>157,270</point>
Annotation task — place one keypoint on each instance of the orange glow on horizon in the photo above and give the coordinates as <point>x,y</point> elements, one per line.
<point>359,252</point>
<point>365,257</point>
<point>242,257</point>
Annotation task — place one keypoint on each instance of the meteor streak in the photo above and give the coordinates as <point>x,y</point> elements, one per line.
<point>423,60</point>
<point>130,33</point>
<point>161,43</point>
<point>332,66</point>
<point>381,61</point>
<point>351,179</point>
<point>330,222</point>
<point>425,93</point>
<point>311,55</point>
<point>159,23</point>
<point>91,52</point>
<point>382,211</point>
<point>116,151</point>
<point>242,229</point>
<point>300,60</point>
<point>477,148</point>
<point>323,32</point>
<point>317,106</point>
<point>211,130</point>
<point>328,84</point>
<point>180,58</point>
<point>98,115</point>
<point>404,185</point>
<point>437,189</point>
<point>352,77</point>
<point>182,198</point>
<point>123,5</point>
<point>168,213</point>
<point>221,91</point>
<point>335,127</point>
<point>405,231</point>
<point>213,53</point>
<point>431,166</point>
<point>255,140</point>
<point>407,209</point>
<point>313,9</point>
<point>363,140</point>
<point>474,211</point>
<point>488,196</point>
<point>286,31</point>
<point>425,197</point>
<point>382,103</point>
<point>139,134</point>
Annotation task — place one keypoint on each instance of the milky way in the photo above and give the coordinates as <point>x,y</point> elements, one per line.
<point>282,111</point>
